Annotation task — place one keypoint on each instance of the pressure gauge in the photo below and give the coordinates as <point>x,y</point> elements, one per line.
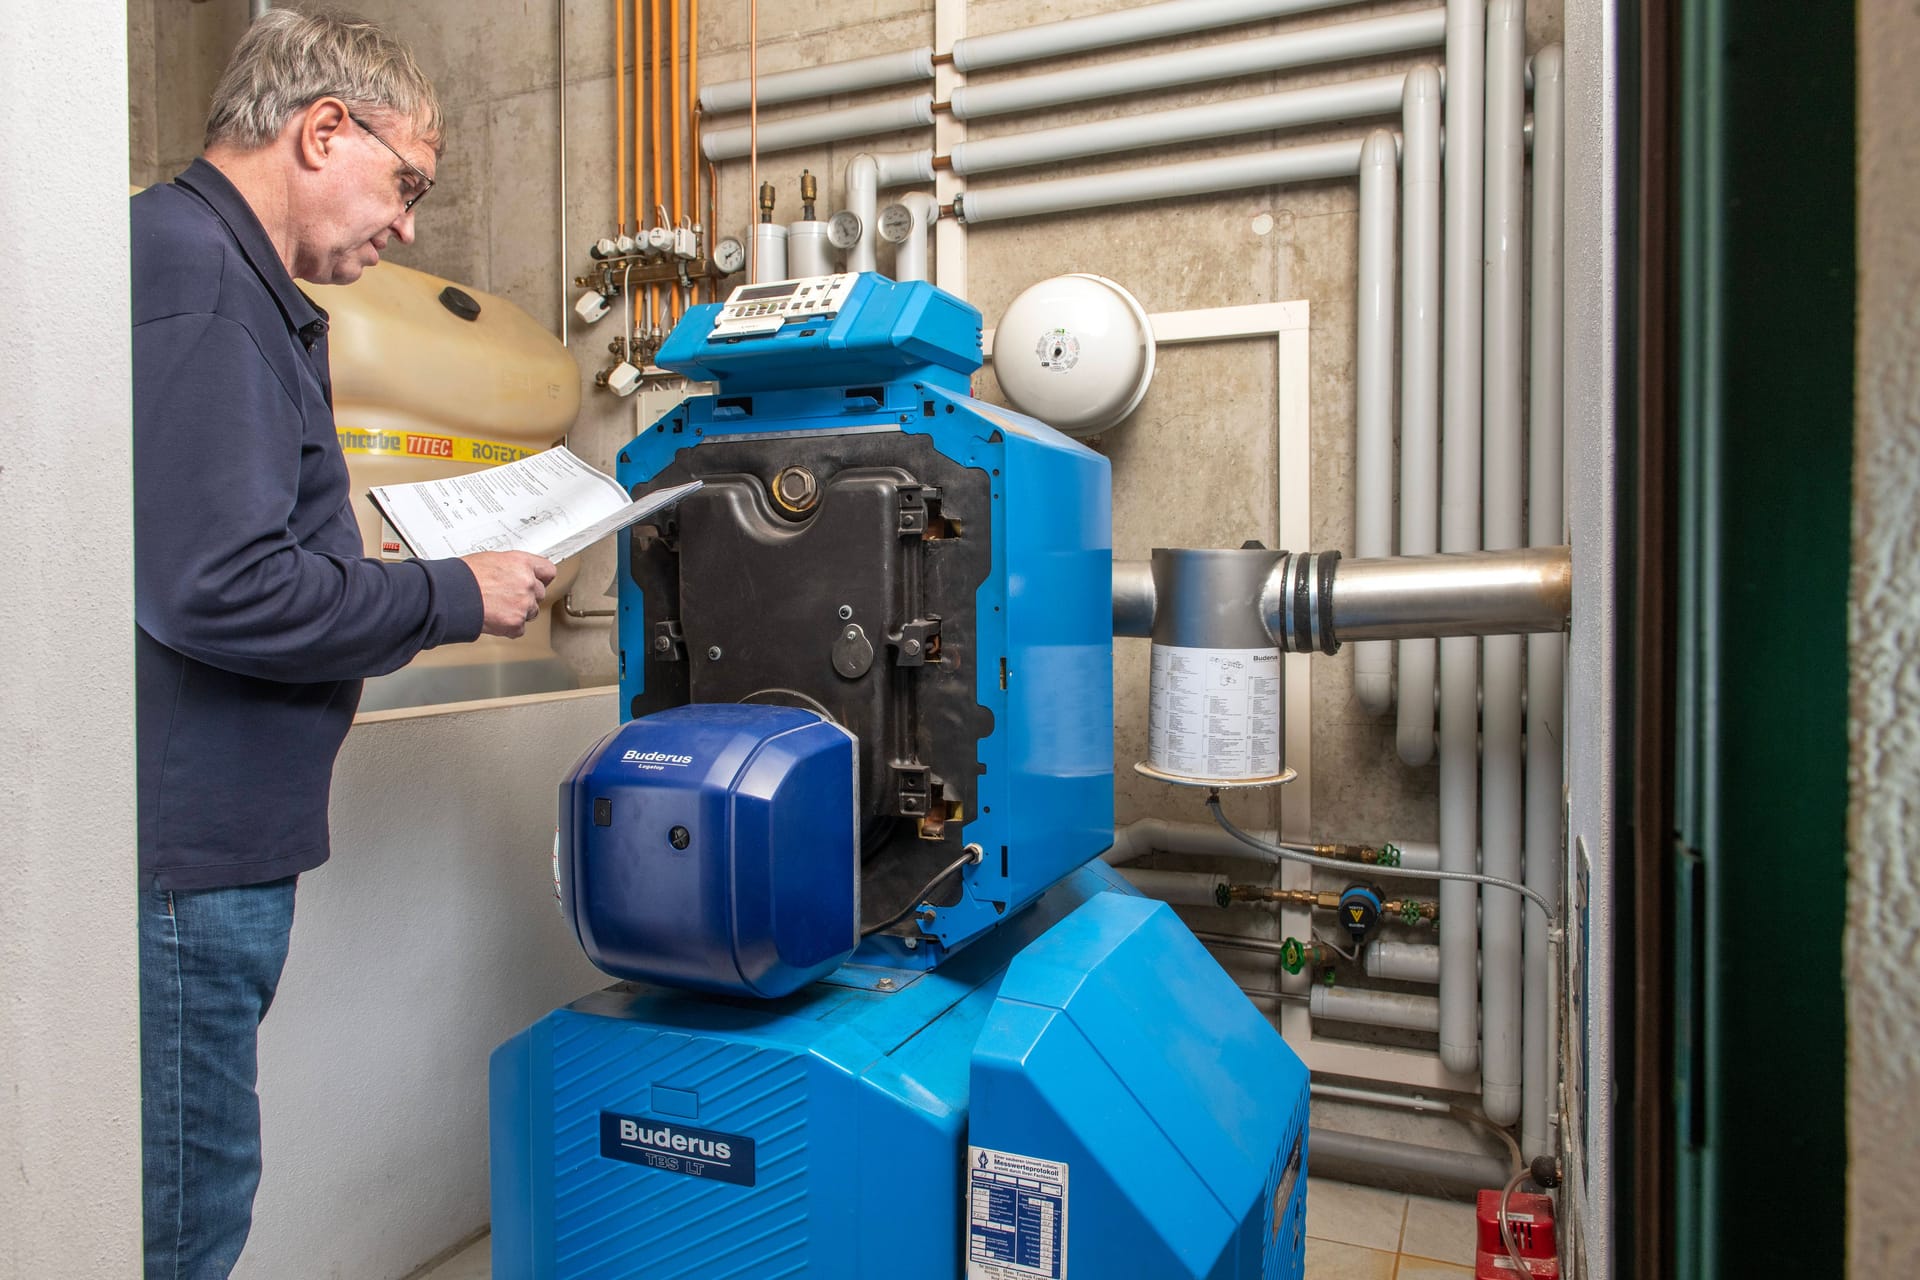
<point>729,255</point>
<point>843,231</point>
<point>896,223</point>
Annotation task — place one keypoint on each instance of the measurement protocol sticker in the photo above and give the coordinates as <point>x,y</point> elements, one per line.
<point>677,1148</point>
<point>1016,1216</point>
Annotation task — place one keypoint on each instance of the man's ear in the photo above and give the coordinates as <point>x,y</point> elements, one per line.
<point>317,128</point>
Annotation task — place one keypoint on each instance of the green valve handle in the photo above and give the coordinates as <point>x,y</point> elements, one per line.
<point>1389,855</point>
<point>1293,956</point>
<point>1410,911</point>
<point>1328,975</point>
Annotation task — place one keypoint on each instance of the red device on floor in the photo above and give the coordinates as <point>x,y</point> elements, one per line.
<point>1530,1217</point>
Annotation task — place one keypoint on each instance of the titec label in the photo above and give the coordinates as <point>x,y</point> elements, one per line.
<point>1016,1216</point>
<point>671,1147</point>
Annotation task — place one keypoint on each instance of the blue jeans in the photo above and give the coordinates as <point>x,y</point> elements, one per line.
<point>210,961</point>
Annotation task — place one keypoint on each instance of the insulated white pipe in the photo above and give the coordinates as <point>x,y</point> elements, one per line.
<point>1352,100</point>
<point>1394,34</point>
<point>910,255</point>
<point>1228,173</point>
<point>1501,806</point>
<point>1373,398</point>
<point>769,253</point>
<point>1403,961</point>
<point>808,251</point>
<point>1419,387</point>
<point>1128,26</point>
<point>904,168</point>
<point>1375,1008</point>
<point>878,71</point>
<point>830,126</point>
<point>1546,655</point>
<point>1460,531</point>
<point>863,197</point>
<point>1182,888</point>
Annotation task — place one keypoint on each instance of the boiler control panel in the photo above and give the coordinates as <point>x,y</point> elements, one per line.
<point>753,309</point>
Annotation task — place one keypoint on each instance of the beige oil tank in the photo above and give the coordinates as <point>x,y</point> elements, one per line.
<point>432,379</point>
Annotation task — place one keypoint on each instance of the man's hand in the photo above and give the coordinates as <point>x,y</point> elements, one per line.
<point>512,585</point>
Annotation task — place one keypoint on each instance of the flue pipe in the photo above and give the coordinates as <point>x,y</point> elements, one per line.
<point>1419,388</point>
<point>1397,33</point>
<point>1546,655</point>
<point>1373,397</point>
<point>1317,601</point>
<point>1460,531</point>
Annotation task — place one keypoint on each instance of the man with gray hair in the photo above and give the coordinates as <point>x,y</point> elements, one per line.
<point>258,616</point>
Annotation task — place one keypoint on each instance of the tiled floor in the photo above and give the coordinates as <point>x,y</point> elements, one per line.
<point>1353,1233</point>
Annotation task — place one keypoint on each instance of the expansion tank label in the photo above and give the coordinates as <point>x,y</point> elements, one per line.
<point>672,1147</point>
<point>1214,713</point>
<point>1016,1216</point>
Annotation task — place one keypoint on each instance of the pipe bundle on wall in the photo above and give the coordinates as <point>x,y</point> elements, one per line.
<point>1460,531</point>
<point>1373,397</point>
<point>1375,95</point>
<point>1419,387</point>
<point>1371,37</point>
<point>1500,784</point>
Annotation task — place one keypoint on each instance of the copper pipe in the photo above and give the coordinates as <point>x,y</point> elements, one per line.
<point>673,61</point>
<point>753,126</point>
<point>640,181</point>
<point>942,163</point>
<point>619,108</point>
<point>693,110</point>
<point>656,66</point>
<point>713,226</point>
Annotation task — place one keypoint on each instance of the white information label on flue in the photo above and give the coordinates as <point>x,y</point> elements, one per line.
<point>1016,1216</point>
<point>1214,713</point>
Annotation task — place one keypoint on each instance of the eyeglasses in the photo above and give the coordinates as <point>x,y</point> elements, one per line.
<point>412,193</point>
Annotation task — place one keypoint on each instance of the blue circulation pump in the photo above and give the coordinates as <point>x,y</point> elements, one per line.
<point>881,1007</point>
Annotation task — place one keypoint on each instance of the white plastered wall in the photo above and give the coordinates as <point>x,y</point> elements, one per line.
<point>429,938</point>
<point>1883,966</point>
<point>1592,267</point>
<point>69,1062</point>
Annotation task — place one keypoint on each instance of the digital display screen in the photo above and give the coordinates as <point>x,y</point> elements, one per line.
<point>764,291</point>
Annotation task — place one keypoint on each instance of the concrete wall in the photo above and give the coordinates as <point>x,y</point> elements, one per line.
<point>1883,967</point>
<point>69,1006</point>
<point>428,939</point>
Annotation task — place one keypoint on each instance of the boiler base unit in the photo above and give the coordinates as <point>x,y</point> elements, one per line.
<point>1081,1093</point>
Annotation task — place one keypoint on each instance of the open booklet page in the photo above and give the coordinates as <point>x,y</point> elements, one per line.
<point>551,504</point>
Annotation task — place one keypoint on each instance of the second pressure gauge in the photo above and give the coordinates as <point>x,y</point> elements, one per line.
<point>729,255</point>
<point>843,231</point>
<point>896,223</point>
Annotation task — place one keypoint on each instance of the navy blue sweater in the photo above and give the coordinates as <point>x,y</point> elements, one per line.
<point>257,614</point>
